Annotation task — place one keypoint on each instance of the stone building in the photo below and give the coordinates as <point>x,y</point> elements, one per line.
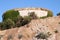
<point>40,12</point>
<point>32,30</point>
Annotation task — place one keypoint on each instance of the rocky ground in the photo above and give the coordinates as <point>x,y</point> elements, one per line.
<point>39,29</point>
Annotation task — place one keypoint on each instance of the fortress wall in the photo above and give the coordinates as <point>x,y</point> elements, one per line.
<point>39,13</point>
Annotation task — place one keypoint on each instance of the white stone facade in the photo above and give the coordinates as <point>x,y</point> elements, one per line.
<point>38,12</point>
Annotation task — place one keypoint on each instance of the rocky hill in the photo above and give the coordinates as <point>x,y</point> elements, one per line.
<point>39,29</point>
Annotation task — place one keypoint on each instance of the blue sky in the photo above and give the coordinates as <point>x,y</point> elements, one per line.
<point>5,5</point>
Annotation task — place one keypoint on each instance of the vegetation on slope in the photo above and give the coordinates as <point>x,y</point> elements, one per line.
<point>43,35</point>
<point>10,14</point>
<point>12,19</point>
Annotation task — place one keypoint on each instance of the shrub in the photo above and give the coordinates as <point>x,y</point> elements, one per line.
<point>43,36</point>
<point>50,14</point>
<point>26,20</point>
<point>11,14</point>
<point>58,14</point>
<point>7,24</point>
<point>0,25</point>
<point>23,21</point>
<point>18,21</point>
<point>33,15</point>
<point>18,18</point>
<point>56,31</point>
<point>43,17</point>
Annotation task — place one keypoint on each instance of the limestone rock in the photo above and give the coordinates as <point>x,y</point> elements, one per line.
<point>33,30</point>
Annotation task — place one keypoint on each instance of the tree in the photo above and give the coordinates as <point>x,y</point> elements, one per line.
<point>7,24</point>
<point>26,20</point>
<point>58,14</point>
<point>21,21</point>
<point>18,21</point>
<point>0,25</point>
<point>43,17</point>
<point>10,14</point>
<point>50,14</point>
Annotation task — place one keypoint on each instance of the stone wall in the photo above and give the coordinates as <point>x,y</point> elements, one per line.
<point>38,11</point>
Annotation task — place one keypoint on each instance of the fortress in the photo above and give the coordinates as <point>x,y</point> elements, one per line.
<point>33,30</point>
<point>40,12</point>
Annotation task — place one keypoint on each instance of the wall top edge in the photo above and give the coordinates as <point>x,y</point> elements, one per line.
<point>20,9</point>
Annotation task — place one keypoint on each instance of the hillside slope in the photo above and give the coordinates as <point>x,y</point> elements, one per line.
<point>33,29</point>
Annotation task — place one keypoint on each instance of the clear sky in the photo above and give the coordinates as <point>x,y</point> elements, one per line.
<point>53,5</point>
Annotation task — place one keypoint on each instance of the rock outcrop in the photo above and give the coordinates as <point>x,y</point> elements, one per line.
<point>39,29</point>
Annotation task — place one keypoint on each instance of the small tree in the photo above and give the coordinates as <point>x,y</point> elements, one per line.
<point>58,14</point>
<point>50,14</point>
<point>43,17</point>
<point>26,20</point>
<point>0,25</point>
<point>18,21</point>
<point>7,24</point>
<point>10,14</point>
<point>23,21</point>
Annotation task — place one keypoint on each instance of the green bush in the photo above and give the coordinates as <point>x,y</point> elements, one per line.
<point>50,14</point>
<point>18,18</point>
<point>0,25</point>
<point>7,24</point>
<point>11,14</point>
<point>12,19</point>
<point>23,21</point>
<point>43,17</point>
<point>43,35</point>
<point>58,14</point>
<point>18,21</point>
<point>26,20</point>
